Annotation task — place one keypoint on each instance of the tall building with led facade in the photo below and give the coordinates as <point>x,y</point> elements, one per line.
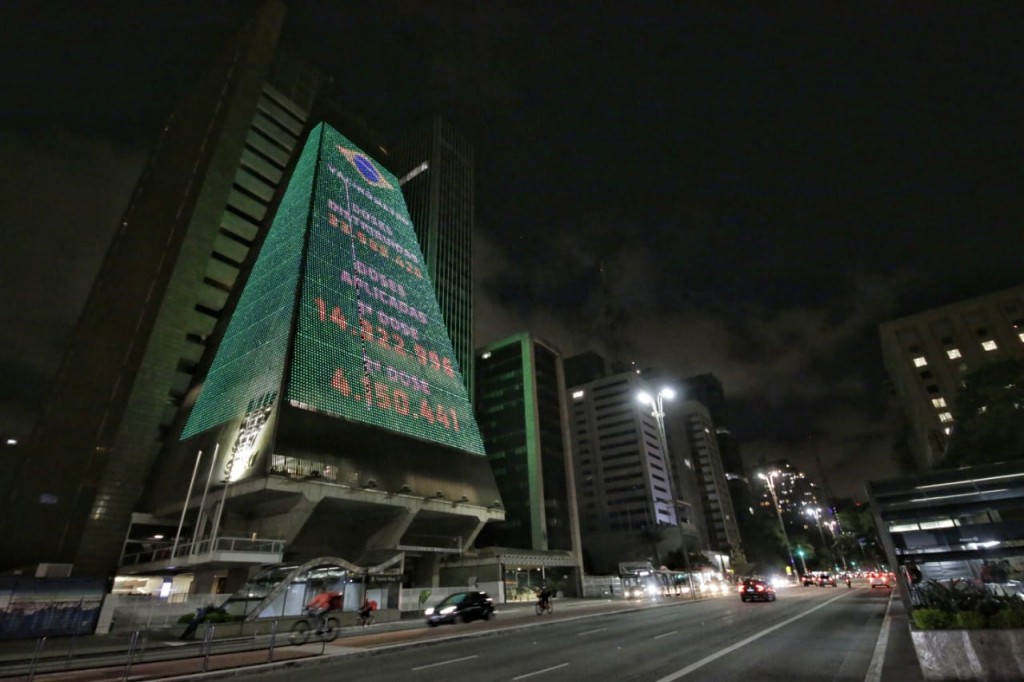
<point>151,323</point>
<point>522,412</point>
<point>927,354</point>
<point>435,167</point>
<point>332,416</point>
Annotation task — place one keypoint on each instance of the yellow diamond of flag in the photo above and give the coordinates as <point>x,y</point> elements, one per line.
<point>366,167</point>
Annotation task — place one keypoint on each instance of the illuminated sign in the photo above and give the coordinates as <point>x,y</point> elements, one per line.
<point>369,343</point>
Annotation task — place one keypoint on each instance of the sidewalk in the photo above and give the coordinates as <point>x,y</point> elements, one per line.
<point>160,654</point>
<point>900,663</point>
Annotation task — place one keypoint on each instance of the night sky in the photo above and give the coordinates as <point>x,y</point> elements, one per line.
<point>699,186</point>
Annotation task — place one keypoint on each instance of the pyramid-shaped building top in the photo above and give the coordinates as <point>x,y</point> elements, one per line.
<point>339,314</point>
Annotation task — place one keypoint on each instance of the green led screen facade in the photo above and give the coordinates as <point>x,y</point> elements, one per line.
<point>250,361</point>
<point>369,344</point>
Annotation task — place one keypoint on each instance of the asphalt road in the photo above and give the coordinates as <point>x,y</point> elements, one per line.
<point>808,634</point>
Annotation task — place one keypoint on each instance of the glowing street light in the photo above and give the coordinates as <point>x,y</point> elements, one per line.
<point>778,510</point>
<point>816,513</point>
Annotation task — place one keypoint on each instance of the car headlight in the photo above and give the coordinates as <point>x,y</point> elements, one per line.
<point>429,611</point>
<point>446,610</point>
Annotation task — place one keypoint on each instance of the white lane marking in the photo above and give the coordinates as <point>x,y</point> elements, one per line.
<point>538,672</point>
<point>666,634</point>
<point>590,632</point>
<point>878,658</point>
<point>454,660</point>
<point>729,649</point>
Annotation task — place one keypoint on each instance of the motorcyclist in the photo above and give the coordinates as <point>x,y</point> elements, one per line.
<point>848,579</point>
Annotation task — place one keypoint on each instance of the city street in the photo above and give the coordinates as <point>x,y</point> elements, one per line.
<point>809,633</point>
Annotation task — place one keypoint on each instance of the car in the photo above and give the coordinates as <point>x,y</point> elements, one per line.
<point>809,579</point>
<point>756,590</point>
<point>826,579</point>
<point>461,606</point>
<point>881,579</point>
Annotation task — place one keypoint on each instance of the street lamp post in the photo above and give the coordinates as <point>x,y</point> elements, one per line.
<point>657,405</point>
<point>816,513</point>
<point>778,511</point>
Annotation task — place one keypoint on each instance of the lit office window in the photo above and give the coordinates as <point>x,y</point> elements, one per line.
<point>945,417</point>
<point>577,394</point>
<point>954,353</point>
<point>989,345</point>
<point>920,361</point>
<point>939,402</point>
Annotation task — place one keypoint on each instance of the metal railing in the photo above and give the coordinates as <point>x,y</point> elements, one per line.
<point>50,658</point>
<point>205,546</point>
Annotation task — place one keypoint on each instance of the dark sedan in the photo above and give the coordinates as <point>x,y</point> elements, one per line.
<point>461,606</point>
<point>756,590</point>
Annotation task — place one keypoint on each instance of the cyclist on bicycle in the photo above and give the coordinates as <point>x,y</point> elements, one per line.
<point>321,605</point>
<point>366,611</point>
<point>544,597</point>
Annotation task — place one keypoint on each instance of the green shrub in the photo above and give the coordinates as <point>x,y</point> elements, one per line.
<point>1012,617</point>
<point>932,619</point>
<point>970,620</point>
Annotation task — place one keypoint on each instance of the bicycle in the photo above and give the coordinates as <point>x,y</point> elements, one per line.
<point>365,619</point>
<point>544,606</point>
<point>326,629</point>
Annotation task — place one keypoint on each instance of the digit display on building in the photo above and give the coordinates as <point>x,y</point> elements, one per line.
<point>370,343</point>
<point>341,260</point>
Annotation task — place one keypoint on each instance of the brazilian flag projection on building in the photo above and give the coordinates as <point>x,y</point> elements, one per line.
<point>340,282</point>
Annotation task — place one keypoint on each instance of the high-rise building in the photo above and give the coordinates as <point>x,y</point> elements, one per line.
<point>716,501</point>
<point>149,327</point>
<point>624,479</point>
<point>927,354</point>
<point>522,412</point>
<point>794,491</point>
<point>435,167</point>
<point>332,415</point>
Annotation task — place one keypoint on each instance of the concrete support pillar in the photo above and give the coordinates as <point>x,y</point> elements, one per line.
<point>390,533</point>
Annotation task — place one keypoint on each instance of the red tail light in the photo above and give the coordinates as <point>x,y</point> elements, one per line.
<point>760,588</point>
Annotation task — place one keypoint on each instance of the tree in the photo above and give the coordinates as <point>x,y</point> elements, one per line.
<point>989,414</point>
<point>652,536</point>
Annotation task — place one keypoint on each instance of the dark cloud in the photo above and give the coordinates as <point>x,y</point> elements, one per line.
<point>62,197</point>
<point>700,186</point>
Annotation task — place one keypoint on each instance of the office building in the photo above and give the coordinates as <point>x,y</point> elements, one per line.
<point>624,479</point>
<point>927,354</point>
<point>522,412</point>
<point>435,166</point>
<point>150,325</point>
<point>722,531</point>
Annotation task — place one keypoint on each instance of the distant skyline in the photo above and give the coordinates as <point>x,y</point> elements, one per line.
<point>704,187</point>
